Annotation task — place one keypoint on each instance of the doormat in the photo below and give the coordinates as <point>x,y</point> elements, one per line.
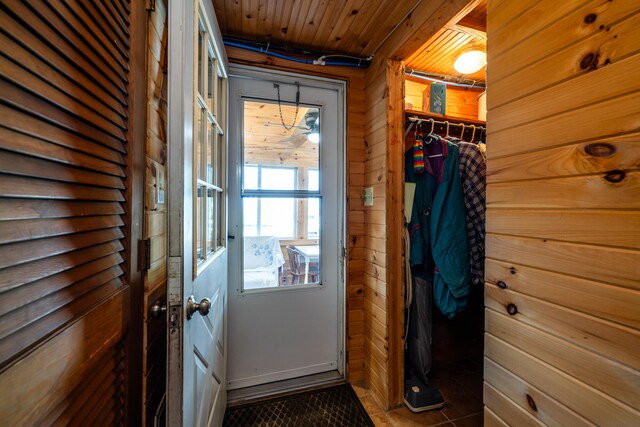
<point>333,406</point>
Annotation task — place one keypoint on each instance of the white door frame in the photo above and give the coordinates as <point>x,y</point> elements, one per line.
<point>271,76</point>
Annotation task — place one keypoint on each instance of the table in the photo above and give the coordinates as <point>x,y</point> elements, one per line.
<point>311,254</point>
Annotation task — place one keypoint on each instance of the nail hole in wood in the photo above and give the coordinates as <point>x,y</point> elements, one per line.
<point>512,309</point>
<point>512,270</point>
<point>502,285</point>
<point>600,149</point>
<point>615,176</point>
<point>590,18</point>
<point>532,403</point>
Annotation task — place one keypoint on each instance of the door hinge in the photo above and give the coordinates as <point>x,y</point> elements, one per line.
<point>144,254</point>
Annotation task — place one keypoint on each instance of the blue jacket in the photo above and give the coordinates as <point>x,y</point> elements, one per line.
<point>439,247</point>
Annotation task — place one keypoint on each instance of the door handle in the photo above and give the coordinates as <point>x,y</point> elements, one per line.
<point>158,309</point>
<point>202,307</point>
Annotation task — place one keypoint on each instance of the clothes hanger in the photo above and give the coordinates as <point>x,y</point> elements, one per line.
<point>462,131</point>
<point>473,134</point>
<point>447,123</point>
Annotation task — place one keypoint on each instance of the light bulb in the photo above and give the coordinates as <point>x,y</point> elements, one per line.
<point>314,137</point>
<point>470,62</point>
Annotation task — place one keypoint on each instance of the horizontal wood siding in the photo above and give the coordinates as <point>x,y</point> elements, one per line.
<point>563,220</point>
<point>155,225</point>
<point>355,177</point>
<point>65,184</point>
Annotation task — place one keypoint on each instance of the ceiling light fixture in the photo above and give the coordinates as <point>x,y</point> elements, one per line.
<point>470,62</point>
<point>314,137</point>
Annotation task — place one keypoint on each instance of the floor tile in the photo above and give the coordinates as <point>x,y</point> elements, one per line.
<point>460,401</point>
<point>471,421</point>
<point>402,417</point>
<point>471,382</point>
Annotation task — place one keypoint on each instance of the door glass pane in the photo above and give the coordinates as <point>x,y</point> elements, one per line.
<point>200,205</point>
<point>212,83</point>
<point>273,255</point>
<point>211,133</point>
<point>211,220</point>
<point>267,142</point>
<point>200,82</point>
<point>199,143</point>
<point>313,218</point>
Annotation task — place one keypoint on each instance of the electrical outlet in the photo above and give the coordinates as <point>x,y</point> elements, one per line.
<point>368,196</point>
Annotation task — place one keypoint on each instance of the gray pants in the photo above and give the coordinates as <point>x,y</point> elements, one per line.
<point>420,324</point>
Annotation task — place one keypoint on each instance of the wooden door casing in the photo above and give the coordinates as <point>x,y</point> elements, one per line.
<point>563,223</point>
<point>67,279</point>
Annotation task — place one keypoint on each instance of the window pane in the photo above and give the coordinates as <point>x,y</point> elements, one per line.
<point>277,179</point>
<point>313,218</point>
<point>200,82</point>
<point>250,177</point>
<point>314,180</point>
<point>277,217</point>
<point>250,209</point>
<point>200,205</point>
<point>211,133</point>
<point>219,159</point>
<point>220,215</point>
<point>212,212</point>
<point>212,82</point>
<point>199,143</point>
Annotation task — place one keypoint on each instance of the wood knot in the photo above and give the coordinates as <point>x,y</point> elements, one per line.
<point>502,285</point>
<point>615,176</point>
<point>590,18</point>
<point>512,309</point>
<point>354,12</point>
<point>600,149</point>
<point>284,30</point>
<point>589,61</point>
<point>513,270</point>
<point>532,403</point>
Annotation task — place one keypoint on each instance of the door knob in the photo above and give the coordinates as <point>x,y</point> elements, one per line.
<point>202,307</point>
<point>158,309</point>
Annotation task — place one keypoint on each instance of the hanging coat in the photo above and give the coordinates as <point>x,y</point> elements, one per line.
<point>439,247</point>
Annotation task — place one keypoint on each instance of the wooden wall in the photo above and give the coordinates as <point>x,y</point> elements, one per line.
<point>155,214</point>
<point>383,170</point>
<point>69,110</point>
<point>355,176</point>
<point>563,221</point>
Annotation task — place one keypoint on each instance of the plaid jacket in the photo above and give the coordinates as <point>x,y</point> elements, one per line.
<point>473,171</point>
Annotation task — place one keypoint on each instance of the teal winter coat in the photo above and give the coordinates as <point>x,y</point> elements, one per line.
<point>439,247</point>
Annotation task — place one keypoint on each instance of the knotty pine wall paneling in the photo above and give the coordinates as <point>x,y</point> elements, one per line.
<point>563,219</point>
<point>155,216</point>
<point>355,177</point>
<point>69,140</point>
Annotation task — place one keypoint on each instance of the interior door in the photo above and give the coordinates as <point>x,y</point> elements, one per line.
<point>286,219</point>
<point>197,268</point>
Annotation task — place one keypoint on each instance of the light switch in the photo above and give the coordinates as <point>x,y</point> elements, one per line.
<point>368,196</point>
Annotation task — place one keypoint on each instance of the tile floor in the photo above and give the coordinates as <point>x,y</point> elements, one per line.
<point>461,386</point>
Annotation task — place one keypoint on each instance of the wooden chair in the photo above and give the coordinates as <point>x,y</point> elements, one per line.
<point>297,264</point>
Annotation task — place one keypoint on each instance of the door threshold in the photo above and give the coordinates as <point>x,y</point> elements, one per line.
<point>256,393</point>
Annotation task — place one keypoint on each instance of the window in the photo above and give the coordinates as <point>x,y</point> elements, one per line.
<point>209,148</point>
<point>269,216</point>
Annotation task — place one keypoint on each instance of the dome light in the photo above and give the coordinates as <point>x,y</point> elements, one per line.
<point>470,62</point>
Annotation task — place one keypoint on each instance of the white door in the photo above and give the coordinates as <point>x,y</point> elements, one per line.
<point>197,174</point>
<point>286,204</point>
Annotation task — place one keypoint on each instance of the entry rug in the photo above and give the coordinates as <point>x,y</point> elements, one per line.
<point>334,406</point>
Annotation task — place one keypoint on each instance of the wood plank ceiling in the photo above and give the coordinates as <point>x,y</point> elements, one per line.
<point>352,27</point>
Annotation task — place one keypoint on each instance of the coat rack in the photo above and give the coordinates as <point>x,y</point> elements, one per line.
<point>466,130</point>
